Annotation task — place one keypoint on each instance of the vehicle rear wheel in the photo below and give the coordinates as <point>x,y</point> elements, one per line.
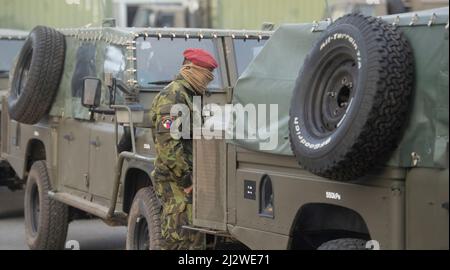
<point>37,75</point>
<point>344,244</point>
<point>351,98</point>
<point>46,220</point>
<point>144,222</point>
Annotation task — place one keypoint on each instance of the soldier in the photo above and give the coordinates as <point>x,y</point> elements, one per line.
<point>173,165</point>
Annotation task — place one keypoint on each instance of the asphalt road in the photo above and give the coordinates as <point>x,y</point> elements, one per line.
<point>90,234</point>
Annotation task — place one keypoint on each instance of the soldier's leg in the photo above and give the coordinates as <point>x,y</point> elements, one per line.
<point>164,192</point>
<point>177,212</point>
<point>196,239</point>
<point>188,239</point>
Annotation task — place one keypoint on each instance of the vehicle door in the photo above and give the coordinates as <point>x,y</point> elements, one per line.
<point>75,126</point>
<point>103,153</point>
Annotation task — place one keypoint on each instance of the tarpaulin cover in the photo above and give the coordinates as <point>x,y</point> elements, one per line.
<point>271,77</point>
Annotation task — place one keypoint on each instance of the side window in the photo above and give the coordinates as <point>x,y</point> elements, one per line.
<point>245,51</point>
<point>84,67</point>
<point>159,61</point>
<point>115,63</point>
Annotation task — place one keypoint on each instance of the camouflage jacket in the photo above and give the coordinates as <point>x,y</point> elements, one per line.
<point>174,157</point>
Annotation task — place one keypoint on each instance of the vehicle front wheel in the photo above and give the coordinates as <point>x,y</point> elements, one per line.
<point>144,222</point>
<point>46,220</point>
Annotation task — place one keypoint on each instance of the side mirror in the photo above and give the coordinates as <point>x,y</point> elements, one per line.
<point>91,93</point>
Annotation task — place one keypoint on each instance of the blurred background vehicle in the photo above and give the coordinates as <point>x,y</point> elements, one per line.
<point>166,13</point>
<point>11,203</point>
<point>11,42</point>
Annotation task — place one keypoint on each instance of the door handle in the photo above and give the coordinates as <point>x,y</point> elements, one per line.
<point>69,137</point>
<point>95,142</point>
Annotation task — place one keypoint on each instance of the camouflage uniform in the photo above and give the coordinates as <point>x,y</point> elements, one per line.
<point>173,168</point>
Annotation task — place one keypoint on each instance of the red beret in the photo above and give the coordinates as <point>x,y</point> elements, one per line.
<point>200,58</point>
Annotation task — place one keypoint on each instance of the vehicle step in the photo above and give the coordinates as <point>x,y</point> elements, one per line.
<point>207,231</point>
<point>79,203</point>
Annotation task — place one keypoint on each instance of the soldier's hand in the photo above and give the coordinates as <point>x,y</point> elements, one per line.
<point>188,190</point>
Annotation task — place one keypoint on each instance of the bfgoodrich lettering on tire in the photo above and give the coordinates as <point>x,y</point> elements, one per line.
<point>37,75</point>
<point>351,98</point>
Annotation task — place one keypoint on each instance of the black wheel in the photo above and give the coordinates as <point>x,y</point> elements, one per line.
<point>37,75</point>
<point>344,244</point>
<point>351,98</point>
<point>46,220</point>
<point>396,7</point>
<point>144,223</point>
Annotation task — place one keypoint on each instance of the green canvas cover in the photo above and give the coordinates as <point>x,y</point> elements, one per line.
<point>271,77</point>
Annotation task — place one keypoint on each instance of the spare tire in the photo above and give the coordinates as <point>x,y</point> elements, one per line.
<point>351,98</point>
<point>37,75</point>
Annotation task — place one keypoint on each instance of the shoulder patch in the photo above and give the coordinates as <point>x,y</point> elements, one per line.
<point>166,122</point>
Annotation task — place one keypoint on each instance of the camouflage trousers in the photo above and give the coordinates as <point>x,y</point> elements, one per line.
<point>177,212</point>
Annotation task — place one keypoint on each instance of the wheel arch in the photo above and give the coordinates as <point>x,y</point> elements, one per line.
<point>35,151</point>
<point>317,223</point>
<point>134,179</point>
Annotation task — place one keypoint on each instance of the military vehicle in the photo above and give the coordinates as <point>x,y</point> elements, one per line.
<point>97,167</point>
<point>167,13</point>
<point>361,162</point>
<point>11,42</point>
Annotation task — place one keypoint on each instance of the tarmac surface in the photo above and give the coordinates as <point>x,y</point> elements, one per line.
<point>90,234</point>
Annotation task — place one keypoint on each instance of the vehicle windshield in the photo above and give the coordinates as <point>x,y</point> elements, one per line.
<point>8,51</point>
<point>159,61</point>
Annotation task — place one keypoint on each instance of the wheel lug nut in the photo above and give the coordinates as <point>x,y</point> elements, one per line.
<point>331,94</point>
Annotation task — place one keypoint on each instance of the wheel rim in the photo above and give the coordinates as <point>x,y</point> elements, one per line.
<point>35,209</point>
<point>24,71</point>
<point>332,92</point>
<point>141,235</point>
